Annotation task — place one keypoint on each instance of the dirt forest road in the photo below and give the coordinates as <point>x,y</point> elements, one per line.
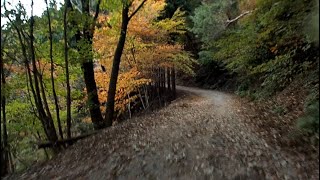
<point>201,135</point>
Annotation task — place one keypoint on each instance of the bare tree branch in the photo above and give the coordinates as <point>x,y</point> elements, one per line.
<point>138,8</point>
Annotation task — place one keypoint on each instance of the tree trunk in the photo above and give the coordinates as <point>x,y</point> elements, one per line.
<point>35,71</point>
<point>168,80</point>
<point>4,136</point>
<point>115,66</point>
<point>48,125</point>
<point>92,93</point>
<point>37,101</point>
<point>56,102</point>
<point>163,74</point>
<point>173,81</point>
<point>159,81</point>
<point>88,71</point>
<point>67,6</point>
<point>146,94</point>
<point>44,96</point>
<point>129,107</point>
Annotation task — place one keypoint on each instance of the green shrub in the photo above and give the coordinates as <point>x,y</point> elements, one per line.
<point>309,123</point>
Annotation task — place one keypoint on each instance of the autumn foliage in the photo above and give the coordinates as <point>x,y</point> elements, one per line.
<point>147,48</point>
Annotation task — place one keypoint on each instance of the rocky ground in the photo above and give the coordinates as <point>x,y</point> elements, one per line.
<point>202,135</point>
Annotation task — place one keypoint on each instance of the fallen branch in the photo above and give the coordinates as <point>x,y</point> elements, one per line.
<point>63,142</point>
<point>230,21</point>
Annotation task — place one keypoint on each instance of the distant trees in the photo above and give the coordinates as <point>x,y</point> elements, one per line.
<point>188,39</point>
<point>172,5</point>
<point>259,41</point>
